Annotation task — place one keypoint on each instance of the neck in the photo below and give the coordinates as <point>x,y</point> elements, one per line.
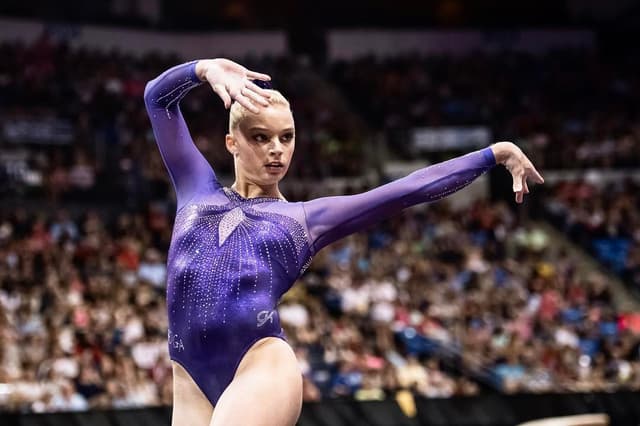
<point>252,190</point>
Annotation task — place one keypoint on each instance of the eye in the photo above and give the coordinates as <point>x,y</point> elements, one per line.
<point>287,137</point>
<point>260,137</point>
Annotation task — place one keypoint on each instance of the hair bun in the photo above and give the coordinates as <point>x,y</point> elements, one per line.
<point>262,84</point>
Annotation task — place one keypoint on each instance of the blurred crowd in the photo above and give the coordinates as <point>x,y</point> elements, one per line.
<point>576,108</point>
<point>436,292</point>
<point>604,219</point>
<point>436,302</point>
<point>73,124</point>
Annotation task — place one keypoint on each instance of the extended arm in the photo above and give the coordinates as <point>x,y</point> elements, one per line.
<point>189,170</point>
<point>331,218</point>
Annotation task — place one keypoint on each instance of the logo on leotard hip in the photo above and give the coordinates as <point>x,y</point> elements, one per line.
<point>264,316</point>
<point>175,341</point>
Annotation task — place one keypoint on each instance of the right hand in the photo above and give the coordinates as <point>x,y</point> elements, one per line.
<point>232,82</point>
<point>518,165</point>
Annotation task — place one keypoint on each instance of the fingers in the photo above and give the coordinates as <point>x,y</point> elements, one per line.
<point>243,96</point>
<point>531,171</point>
<point>246,102</point>
<point>258,76</point>
<point>251,95</point>
<point>520,186</point>
<point>257,89</point>
<point>232,82</point>
<point>517,186</point>
<point>517,182</point>
<point>522,170</point>
<point>524,189</point>
<point>254,96</point>
<point>224,95</point>
<point>537,177</point>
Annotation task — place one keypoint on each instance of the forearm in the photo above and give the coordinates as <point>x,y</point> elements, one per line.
<point>166,90</point>
<point>439,180</point>
<point>189,170</point>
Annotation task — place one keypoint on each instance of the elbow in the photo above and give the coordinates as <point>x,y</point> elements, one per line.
<point>149,94</point>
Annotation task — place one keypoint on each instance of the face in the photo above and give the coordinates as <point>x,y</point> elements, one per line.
<point>263,145</point>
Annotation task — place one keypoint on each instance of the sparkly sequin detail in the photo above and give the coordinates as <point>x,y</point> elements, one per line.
<point>306,266</point>
<point>229,223</point>
<point>176,91</point>
<point>455,185</point>
<point>222,255</point>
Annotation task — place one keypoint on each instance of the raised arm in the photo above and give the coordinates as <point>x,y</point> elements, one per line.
<point>331,218</point>
<point>189,170</point>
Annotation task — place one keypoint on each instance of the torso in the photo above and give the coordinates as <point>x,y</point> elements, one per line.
<point>229,264</point>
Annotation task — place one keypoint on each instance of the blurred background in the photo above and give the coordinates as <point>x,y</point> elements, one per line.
<point>471,310</point>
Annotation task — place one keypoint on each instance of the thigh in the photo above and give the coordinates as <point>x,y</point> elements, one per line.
<point>266,389</point>
<point>190,406</point>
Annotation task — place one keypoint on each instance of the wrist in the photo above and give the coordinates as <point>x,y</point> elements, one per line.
<point>201,69</point>
<point>501,151</point>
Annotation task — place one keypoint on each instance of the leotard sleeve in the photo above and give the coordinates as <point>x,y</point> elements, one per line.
<point>331,218</point>
<point>190,172</point>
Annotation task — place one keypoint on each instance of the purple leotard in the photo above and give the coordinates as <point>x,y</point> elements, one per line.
<point>232,258</point>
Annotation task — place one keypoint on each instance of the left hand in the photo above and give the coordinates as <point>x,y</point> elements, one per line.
<point>232,82</point>
<point>520,167</point>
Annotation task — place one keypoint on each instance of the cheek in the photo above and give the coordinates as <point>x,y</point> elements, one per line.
<point>255,154</point>
<point>250,159</point>
<point>291,149</point>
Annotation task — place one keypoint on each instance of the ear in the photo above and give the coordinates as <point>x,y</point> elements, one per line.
<point>230,143</point>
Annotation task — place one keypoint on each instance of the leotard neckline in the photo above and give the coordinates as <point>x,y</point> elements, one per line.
<point>232,192</point>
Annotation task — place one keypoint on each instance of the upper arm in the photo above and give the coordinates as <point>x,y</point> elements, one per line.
<point>190,172</point>
<point>332,218</point>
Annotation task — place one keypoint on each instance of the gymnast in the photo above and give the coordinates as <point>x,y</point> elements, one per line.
<point>236,250</point>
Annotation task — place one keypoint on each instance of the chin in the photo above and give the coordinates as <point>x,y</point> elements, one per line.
<point>271,180</point>
<point>275,178</point>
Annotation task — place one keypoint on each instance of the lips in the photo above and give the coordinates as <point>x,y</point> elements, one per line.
<point>274,166</point>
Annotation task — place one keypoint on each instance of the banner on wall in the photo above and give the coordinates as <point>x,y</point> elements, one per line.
<point>342,44</point>
<point>42,131</point>
<point>138,42</point>
<point>430,139</point>
<point>352,44</point>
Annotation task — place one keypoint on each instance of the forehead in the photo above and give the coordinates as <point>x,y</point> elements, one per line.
<point>274,118</point>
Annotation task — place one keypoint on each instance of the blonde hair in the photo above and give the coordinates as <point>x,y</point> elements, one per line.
<point>237,113</point>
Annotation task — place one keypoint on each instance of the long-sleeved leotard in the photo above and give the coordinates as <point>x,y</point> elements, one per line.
<point>232,258</point>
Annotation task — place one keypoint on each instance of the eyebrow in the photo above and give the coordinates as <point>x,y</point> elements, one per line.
<point>288,129</point>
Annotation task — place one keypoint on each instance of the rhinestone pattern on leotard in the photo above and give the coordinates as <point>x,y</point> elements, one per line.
<point>225,255</point>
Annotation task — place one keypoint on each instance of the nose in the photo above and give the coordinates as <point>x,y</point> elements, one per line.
<point>275,148</point>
